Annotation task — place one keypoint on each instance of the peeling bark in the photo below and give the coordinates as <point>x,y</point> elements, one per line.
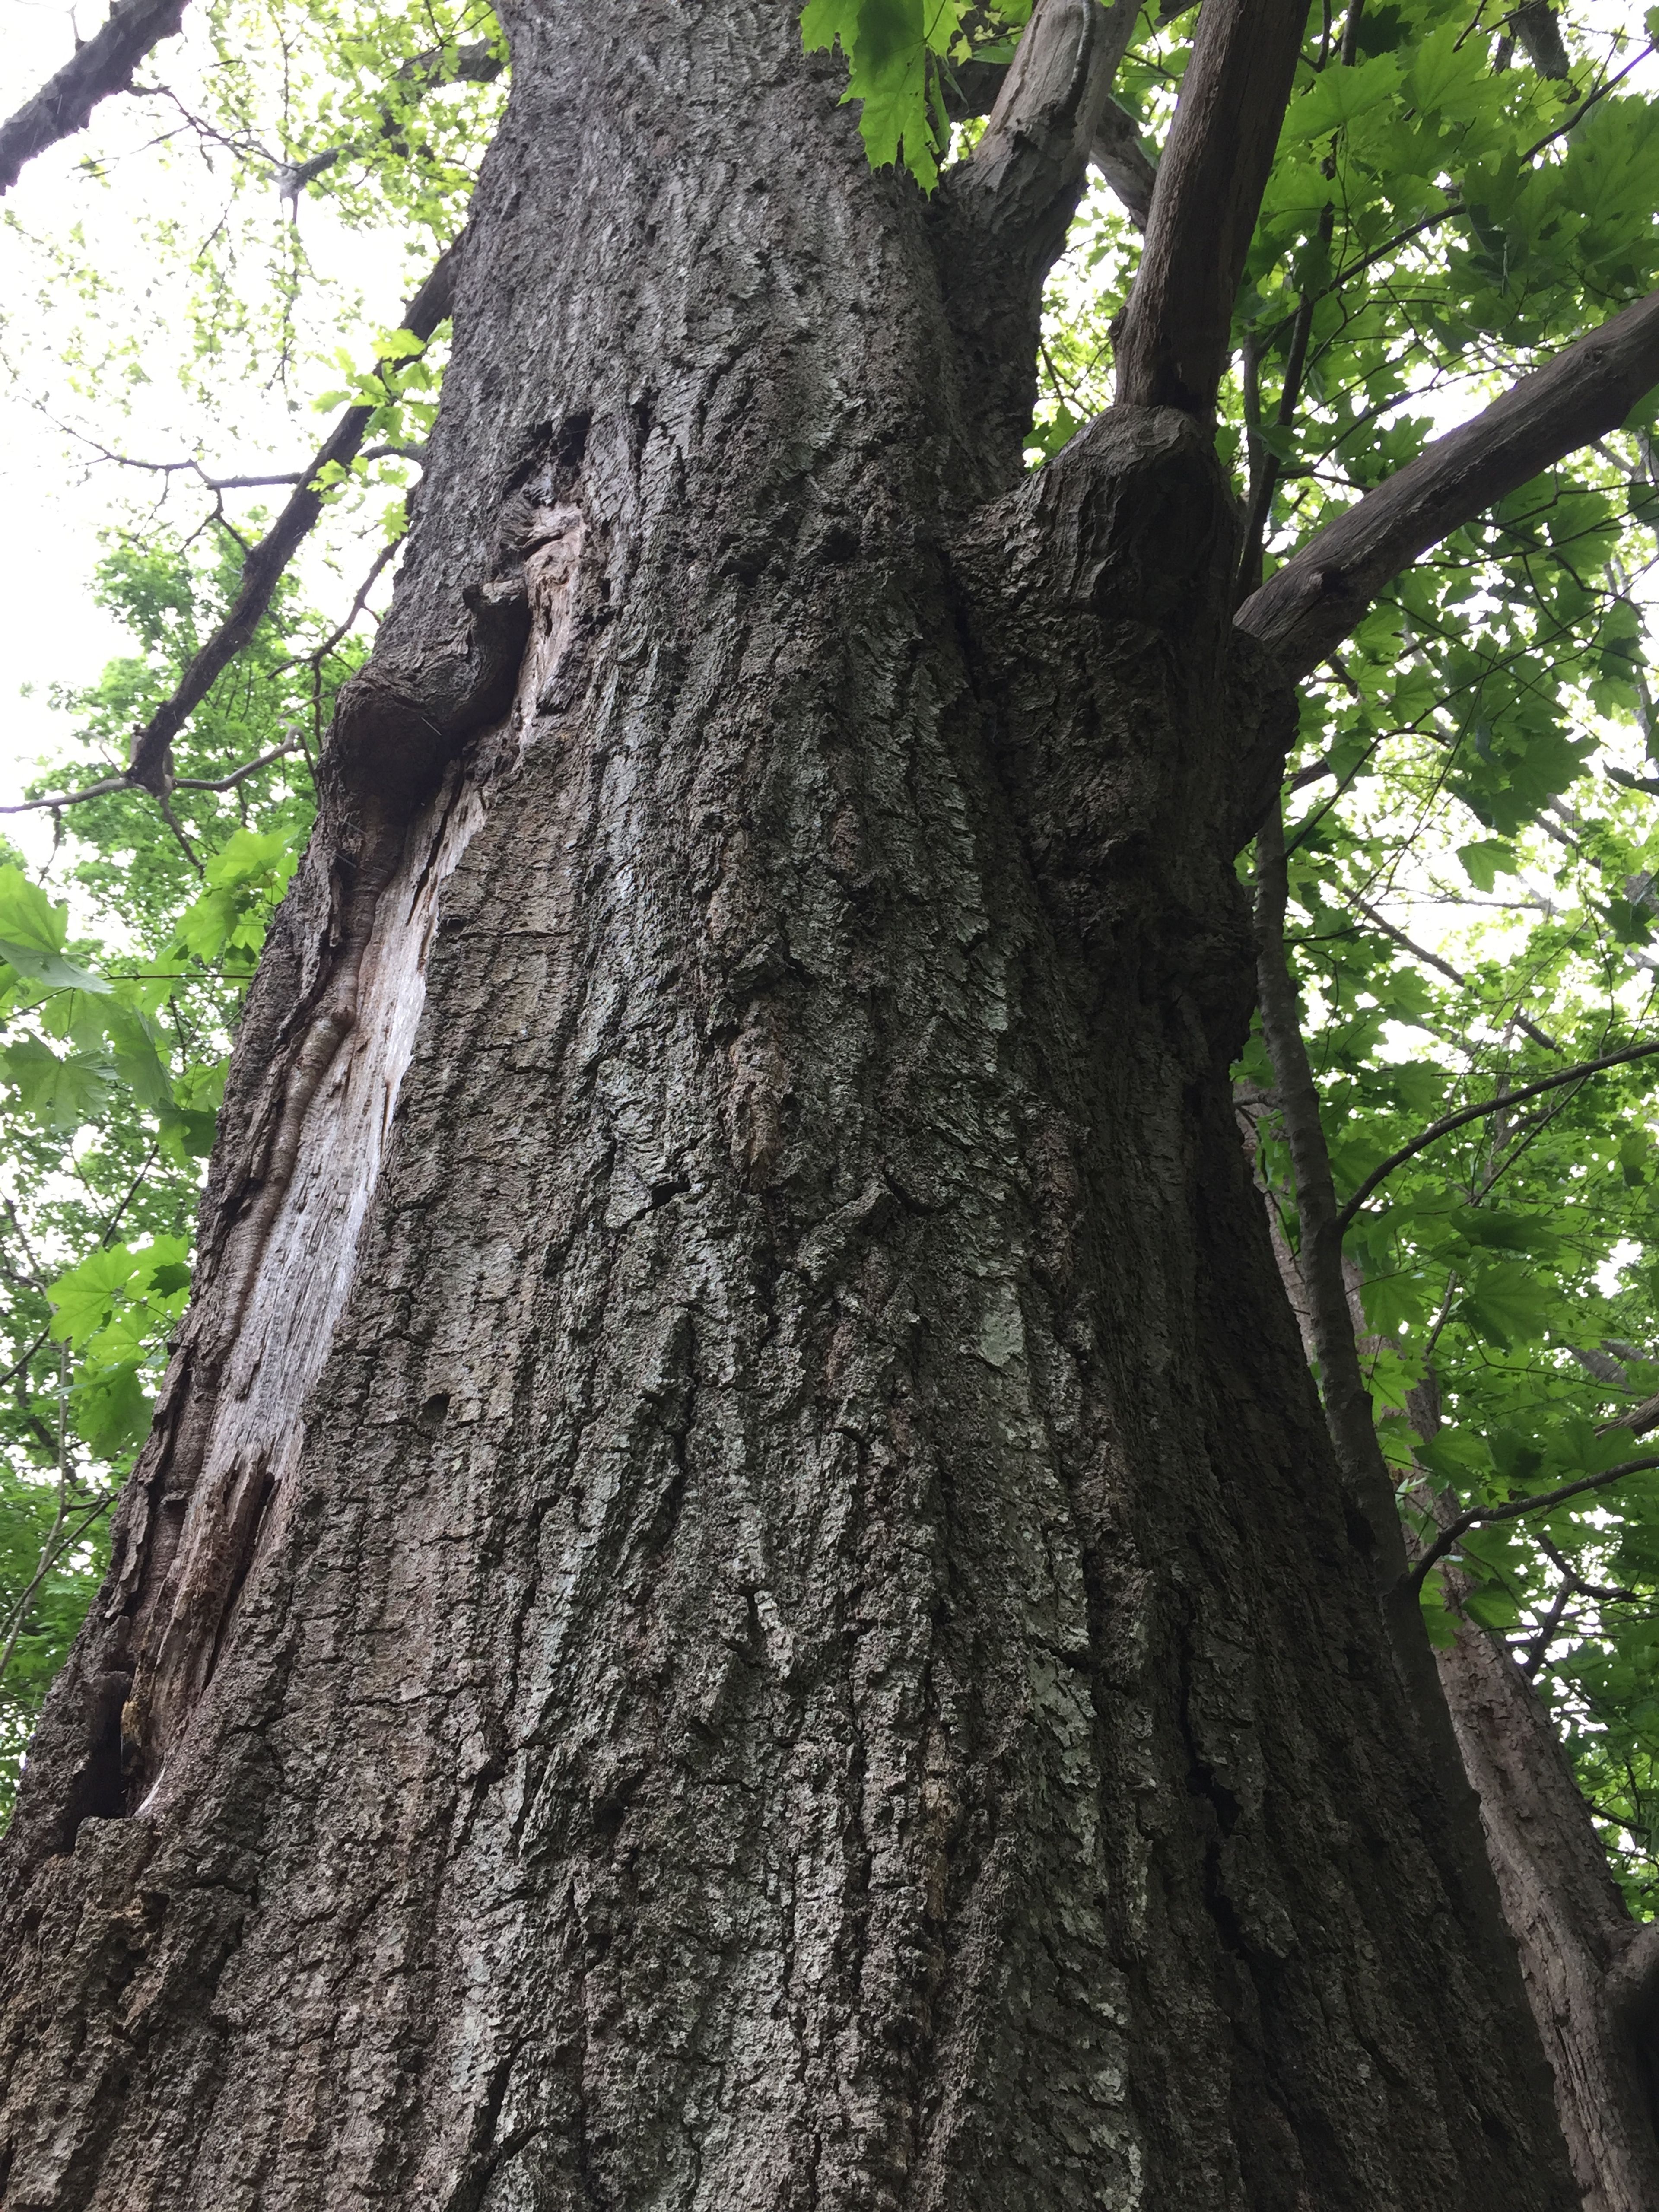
<point>798,1643</point>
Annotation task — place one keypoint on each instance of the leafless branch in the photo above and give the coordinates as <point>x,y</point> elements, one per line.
<point>99,790</point>
<point>19,1366</point>
<point>193,467</point>
<point>151,765</point>
<point>477,62</point>
<point>59,1541</point>
<point>1173,343</point>
<point>1452,975</point>
<point>1117,153</point>
<point>105,64</point>
<point>315,657</point>
<point>114,783</point>
<point>290,744</point>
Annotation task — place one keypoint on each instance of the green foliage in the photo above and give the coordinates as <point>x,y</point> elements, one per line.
<point>1475,843</point>
<point>899,54</point>
<point>114,1036</point>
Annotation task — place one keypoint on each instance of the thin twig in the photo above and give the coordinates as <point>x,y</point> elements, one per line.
<point>113,784</point>
<point>1448,1122</point>
<point>1433,960</point>
<point>1481,1517</point>
<point>315,658</point>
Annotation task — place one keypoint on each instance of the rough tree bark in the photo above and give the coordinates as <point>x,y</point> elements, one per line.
<point>739,1598</point>
<point>1589,1967</point>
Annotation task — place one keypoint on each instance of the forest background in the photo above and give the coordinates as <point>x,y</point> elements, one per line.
<point>203,286</point>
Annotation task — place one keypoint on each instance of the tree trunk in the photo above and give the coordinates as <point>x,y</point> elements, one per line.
<point>1591,1972</point>
<point>1577,1941</point>
<point>807,1651</point>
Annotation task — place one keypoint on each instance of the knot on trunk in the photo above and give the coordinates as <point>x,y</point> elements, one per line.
<point>399,722</point>
<point>1139,742</point>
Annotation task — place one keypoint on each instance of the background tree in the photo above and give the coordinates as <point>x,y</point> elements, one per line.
<point>1028,1472</point>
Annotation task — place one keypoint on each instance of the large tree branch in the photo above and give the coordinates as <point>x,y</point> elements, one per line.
<point>1323,592</point>
<point>973,88</point>
<point>1177,327</point>
<point>1020,184</point>
<point>150,766</point>
<point>105,64</point>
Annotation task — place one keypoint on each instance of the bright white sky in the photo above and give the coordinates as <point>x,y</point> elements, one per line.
<point>56,496</point>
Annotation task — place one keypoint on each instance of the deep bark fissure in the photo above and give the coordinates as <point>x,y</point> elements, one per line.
<point>812,1463</point>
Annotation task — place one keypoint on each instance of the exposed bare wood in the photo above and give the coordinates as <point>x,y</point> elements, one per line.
<point>1022,177</point>
<point>151,765</point>
<point>104,65</point>
<point>1589,387</point>
<point>1176,327</point>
